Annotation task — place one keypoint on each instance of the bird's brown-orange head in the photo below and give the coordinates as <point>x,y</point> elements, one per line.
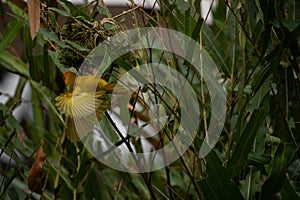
<point>69,78</point>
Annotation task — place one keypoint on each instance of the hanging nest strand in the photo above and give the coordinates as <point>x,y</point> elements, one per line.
<point>86,34</point>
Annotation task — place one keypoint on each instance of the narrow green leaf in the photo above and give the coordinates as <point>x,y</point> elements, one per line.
<point>257,32</point>
<point>68,6</point>
<point>215,50</point>
<point>16,10</point>
<point>73,10</point>
<point>61,12</point>
<point>7,184</point>
<point>219,181</point>
<point>13,194</point>
<point>287,191</point>
<point>273,185</point>
<point>61,67</point>
<point>260,12</point>
<point>62,172</point>
<point>15,124</point>
<point>37,109</point>
<point>34,66</point>
<point>187,22</point>
<point>244,144</point>
<point>294,169</point>
<point>77,46</point>
<point>10,33</point>
<point>13,64</point>
<point>207,190</point>
<point>93,188</point>
<point>250,186</point>
<point>258,159</point>
<point>51,36</point>
<point>195,36</point>
<point>46,67</point>
<point>104,11</point>
<point>289,39</point>
<point>18,92</point>
<point>46,95</point>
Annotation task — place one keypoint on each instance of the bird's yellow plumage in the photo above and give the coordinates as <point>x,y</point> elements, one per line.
<point>83,104</point>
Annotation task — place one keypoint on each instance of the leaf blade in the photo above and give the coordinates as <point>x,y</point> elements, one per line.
<point>10,33</point>
<point>243,148</point>
<point>33,17</point>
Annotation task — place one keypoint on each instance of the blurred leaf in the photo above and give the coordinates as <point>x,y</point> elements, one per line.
<point>187,22</point>
<point>273,185</point>
<point>294,169</point>
<point>62,172</point>
<point>37,109</point>
<point>46,66</point>
<point>76,46</point>
<point>18,92</point>
<point>287,191</point>
<point>218,179</point>
<point>215,50</point>
<point>46,97</point>
<point>51,36</point>
<point>288,40</point>
<point>249,186</point>
<point>35,177</point>
<point>244,144</point>
<point>23,190</point>
<point>72,10</point>
<point>61,67</point>
<point>207,190</point>
<point>97,189</point>
<point>11,31</point>
<point>16,10</point>
<point>33,17</point>
<point>15,124</point>
<point>103,10</point>
<point>296,186</point>
<point>258,159</point>
<point>13,64</point>
<point>61,12</point>
<point>12,193</point>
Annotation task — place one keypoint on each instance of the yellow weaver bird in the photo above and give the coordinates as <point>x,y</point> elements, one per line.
<point>87,83</point>
<point>83,104</point>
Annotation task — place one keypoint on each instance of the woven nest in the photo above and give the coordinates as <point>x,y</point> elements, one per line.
<point>86,34</point>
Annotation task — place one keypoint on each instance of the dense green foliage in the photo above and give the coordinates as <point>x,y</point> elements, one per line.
<point>256,46</point>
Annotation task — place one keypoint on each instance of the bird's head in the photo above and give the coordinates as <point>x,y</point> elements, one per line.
<point>69,78</point>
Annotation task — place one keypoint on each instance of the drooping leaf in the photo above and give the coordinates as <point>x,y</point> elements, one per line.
<point>34,17</point>
<point>35,177</point>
